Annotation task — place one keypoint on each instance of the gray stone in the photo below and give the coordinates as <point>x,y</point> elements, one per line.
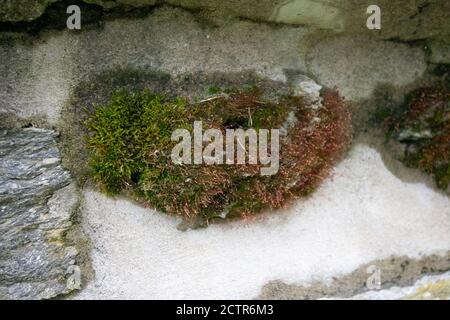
<point>405,20</point>
<point>396,270</point>
<point>22,10</point>
<point>356,65</point>
<point>440,52</point>
<point>411,135</point>
<point>37,201</point>
<point>308,89</point>
<point>177,44</point>
<point>108,4</point>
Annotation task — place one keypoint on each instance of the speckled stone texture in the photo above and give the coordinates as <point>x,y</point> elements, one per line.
<point>36,204</point>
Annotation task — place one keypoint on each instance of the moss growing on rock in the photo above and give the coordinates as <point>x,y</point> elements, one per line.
<point>130,148</point>
<point>423,124</point>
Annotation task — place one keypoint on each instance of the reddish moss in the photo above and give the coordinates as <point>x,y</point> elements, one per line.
<point>316,140</point>
<point>423,123</point>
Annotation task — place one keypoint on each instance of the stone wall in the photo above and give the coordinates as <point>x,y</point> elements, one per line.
<point>42,72</point>
<point>37,204</point>
<point>401,19</point>
<point>49,73</point>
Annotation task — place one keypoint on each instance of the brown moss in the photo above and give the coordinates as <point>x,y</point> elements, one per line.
<point>423,123</point>
<point>130,149</point>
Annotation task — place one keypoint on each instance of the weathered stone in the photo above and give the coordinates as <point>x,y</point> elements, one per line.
<point>260,10</point>
<point>177,44</point>
<point>440,52</point>
<point>108,4</point>
<point>22,10</point>
<point>406,19</point>
<point>428,287</point>
<point>397,271</point>
<point>307,88</point>
<point>36,206</point>
<point>439,290</point>
<point>328,15</point>
<point>356,65</point>
<point>28,10</point>
<point>411,135</point>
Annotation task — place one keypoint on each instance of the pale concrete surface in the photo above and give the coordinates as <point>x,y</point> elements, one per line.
<point>362,214</point>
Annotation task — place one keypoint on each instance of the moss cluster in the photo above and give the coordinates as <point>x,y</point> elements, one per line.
<point>423,124</point>
<point>129,141</point>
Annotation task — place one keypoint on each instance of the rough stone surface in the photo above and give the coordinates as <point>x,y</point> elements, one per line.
<point>429,287</point>
<point>22,10</point>
<point>357,64</point>
<point>394,272</point>
<point>440,52</point>
<point>108,4</point>
<point>401,19</point>
<point>433,290</point>
<point>42,73</point>
<point>36,205</point>
<point>367,214</point>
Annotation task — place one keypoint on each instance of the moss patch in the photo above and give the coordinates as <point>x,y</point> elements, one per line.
<point>129,142</point>
<point>97,89</point>
<point>422,122</point>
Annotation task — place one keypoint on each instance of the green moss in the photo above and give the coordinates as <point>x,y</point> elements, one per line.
<point>125,130</point>
<point>442,175</point>
<point>214,90</point>
<point>129,142</point>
